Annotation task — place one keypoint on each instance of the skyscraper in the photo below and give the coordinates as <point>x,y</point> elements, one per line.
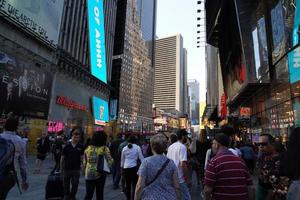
<point>132,65</point>
<point>194,101</point>
<point>169,74</point>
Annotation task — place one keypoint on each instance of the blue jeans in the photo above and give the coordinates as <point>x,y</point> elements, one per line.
<point>294,191</point>
<point>116,173</point>
<point>185,192</point>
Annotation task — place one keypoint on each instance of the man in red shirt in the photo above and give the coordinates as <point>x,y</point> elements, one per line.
<point>227,176</point>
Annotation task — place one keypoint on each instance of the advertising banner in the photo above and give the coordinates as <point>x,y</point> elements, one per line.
<point>41,18</point>
<point>113,109</point>
<point>25,89</point>
<point>97,39</point>
<point>100,110</point>
<point>294,56</point>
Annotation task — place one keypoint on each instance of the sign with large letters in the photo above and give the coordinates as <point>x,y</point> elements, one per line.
<point>97,39</point>
<point>41,18</point>
<point>294,56</point>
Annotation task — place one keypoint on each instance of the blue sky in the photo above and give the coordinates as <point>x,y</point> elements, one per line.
<point>180,16</point>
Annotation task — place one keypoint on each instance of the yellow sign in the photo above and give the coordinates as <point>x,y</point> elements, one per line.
<point>36,127</point>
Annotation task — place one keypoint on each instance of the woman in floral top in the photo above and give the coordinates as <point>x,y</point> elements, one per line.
<point>93,178</point>
<point>270,173</point>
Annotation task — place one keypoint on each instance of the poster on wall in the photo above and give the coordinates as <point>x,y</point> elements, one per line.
<point>41,18</point>
<point>113,109</point>
<point>25,90</point>
<point>294,56</point>
<point>100,111</point>
<point>97,39</point>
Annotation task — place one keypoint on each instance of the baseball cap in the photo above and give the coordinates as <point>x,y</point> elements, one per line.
<point>222,139</point>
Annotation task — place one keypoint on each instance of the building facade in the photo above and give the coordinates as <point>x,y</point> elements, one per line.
<point>132,65</point>
<point>259,54</point>
<point>169,74</point>
<point>48,63</point>
<point>194,101</point>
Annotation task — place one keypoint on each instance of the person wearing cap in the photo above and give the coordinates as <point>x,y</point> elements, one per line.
<point>178,153</point>
<point>226,176</point>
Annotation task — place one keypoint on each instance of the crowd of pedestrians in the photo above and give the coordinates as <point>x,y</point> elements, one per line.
<point>160,169</point>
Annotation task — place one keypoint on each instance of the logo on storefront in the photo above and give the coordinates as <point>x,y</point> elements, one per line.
<point>64,101</point>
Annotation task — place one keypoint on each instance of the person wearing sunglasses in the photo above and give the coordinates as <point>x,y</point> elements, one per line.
<point>264,187</point>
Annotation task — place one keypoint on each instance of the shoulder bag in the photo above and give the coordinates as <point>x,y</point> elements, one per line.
<point>159,171</point>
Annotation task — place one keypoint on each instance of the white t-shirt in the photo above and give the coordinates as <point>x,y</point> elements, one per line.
<point>178,153</point>
<point>236,152</point>
<point>129,157</point>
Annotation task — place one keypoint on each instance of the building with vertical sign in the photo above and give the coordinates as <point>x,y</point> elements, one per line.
<point>57,80</point>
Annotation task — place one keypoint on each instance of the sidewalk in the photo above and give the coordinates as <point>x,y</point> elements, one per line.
<point>37,183</point>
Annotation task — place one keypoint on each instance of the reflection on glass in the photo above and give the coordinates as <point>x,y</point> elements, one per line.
<point>256,53</point>
<point>278,31</point>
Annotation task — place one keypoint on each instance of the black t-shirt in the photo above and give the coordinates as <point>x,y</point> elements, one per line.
<point>72,156</point>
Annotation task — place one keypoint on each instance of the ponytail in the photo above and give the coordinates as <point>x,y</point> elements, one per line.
<point>129,145</point>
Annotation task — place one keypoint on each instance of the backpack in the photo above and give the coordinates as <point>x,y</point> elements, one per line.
<point>7,153</point>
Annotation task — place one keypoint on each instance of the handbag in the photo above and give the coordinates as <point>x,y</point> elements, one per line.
<point>159,172</point>
<point>102,164</point>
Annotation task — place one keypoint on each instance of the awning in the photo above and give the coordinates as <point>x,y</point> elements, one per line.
<point>243,97</point>
<point>210,112</point>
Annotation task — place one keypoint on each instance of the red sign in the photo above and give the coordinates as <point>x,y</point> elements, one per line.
<point>64,101</point>
<point>245,111</point>
<point>223,110</point>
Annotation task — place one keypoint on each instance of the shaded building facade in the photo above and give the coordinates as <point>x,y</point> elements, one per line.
<point>258,52</point>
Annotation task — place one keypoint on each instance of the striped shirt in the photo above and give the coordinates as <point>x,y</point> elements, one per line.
<point>227,174</point>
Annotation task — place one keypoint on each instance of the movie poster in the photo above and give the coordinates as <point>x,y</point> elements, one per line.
<point>25,89</point>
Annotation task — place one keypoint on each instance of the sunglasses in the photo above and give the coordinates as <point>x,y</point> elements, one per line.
<point>262,144</point>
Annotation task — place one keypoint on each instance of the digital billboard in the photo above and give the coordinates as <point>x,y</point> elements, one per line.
<point>41,18</point>
<point>100,111</point>
<point>294,56</point>
<point>97,39</point>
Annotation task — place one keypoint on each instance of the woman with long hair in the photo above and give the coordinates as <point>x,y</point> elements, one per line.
<point>94,179</point>
<point>129,164</point>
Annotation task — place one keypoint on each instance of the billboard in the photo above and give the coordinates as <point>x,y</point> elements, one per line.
<point>294,56</point>
<point>25,89</point>
<point>100,111</point>
<point>97,39</point>
<point>113,107</point>
<point>41,18</point>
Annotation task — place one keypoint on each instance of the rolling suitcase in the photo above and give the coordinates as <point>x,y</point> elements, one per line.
<point>54,186</point>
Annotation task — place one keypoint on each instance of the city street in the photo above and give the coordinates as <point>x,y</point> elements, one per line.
<point>38,182</point>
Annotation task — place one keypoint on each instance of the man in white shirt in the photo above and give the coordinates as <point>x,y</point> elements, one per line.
<point>178,153</point>
<point>129,164</point>
<point>20,161</point>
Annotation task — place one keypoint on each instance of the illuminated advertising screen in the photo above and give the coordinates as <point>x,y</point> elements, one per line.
<point>41,18</point>
<point>294,56</point>
<point>97,39</point>
<point>100,111</point>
